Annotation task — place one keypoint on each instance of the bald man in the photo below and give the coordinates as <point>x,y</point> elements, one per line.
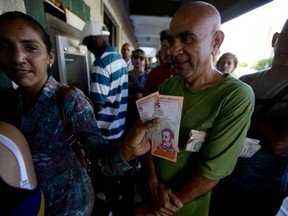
<point>214,103</point>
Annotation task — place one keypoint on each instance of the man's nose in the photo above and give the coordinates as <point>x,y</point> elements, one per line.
<point>175,48</point>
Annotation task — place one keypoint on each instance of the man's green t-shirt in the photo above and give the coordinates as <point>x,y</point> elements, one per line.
<point>224,111</point>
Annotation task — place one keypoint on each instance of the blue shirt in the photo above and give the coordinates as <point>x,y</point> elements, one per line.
<point>17,201</point>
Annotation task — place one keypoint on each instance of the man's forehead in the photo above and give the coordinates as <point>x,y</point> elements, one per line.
<point>194,18</point>
<point>185,25</point>
<point>178,33</point>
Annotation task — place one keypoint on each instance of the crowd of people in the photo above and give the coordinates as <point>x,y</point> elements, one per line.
<point>43,173</point>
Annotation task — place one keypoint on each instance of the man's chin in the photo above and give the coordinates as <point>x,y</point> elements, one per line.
<point>180,67</point>
<point>180,71</point>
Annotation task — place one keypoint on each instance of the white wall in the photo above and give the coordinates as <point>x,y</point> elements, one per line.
<point>121,19</point>
<point>12,5</point>
<point>96,7</point>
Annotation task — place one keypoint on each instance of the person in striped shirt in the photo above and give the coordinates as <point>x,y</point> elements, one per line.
<point>109,81</point>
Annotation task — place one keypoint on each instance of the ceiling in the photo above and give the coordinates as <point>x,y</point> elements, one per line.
<point>149,17</point>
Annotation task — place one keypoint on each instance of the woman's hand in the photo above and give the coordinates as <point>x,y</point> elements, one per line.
<point>137,142</point>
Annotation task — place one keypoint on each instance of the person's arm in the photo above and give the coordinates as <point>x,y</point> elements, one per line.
<point>276,141</point>
<point>97,108</point>
<point>184,189</point>
<point>162,200</point>
<point>135,144</point>
<point>189,188</point>
<point>10,167</point>
<point>99,90</point>
<point>109,159</point>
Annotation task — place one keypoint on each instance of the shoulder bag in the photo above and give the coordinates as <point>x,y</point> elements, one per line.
<point>72,139</point>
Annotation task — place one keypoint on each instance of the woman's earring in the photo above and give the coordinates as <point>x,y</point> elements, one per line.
<point>50,65</point>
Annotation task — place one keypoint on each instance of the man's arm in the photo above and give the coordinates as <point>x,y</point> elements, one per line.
<point>184,190</point>
<point>100,79</point>
<point>97,108</point>
<point>188,188</point>
<point>163,200</point>
<point>276,141</point>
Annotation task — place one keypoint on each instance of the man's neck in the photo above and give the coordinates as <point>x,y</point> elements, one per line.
<point>200,82</point>
<point>278,71</point>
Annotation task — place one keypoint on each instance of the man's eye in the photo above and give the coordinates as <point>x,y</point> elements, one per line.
<point>186,38</point>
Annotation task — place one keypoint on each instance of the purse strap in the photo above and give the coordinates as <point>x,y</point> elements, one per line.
<point>272,102</point>
<point>72,140</point>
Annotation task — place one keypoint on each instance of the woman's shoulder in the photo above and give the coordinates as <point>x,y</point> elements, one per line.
<point>20,193</point>
<point>13,142</point>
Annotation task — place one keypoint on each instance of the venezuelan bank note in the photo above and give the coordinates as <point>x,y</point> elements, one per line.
<point>197,138</point>
<point>250,147</point>
<point>165,136</point>
<point>146,106</point>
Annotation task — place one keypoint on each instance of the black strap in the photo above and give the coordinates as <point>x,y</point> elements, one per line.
<point>272,102</point>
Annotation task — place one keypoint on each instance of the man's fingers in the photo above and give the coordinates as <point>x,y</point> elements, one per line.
<point>175,200</point>
<point>166,211</point>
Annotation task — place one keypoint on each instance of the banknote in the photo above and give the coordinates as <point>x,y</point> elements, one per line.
<point>146,106</point>
<point>197,138</point>
<point>164,137</point>
<point>250,147</point>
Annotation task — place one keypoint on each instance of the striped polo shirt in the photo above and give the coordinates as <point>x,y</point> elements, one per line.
<point>109,88</point>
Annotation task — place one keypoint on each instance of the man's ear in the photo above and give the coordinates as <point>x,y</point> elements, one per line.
<point>217,41</point>
<point>274,39</point>
<point>51,57</point>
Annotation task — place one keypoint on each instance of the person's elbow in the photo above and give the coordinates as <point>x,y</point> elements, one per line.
<point>97,108</point>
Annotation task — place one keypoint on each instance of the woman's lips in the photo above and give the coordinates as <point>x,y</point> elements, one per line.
<point>21,71</point>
